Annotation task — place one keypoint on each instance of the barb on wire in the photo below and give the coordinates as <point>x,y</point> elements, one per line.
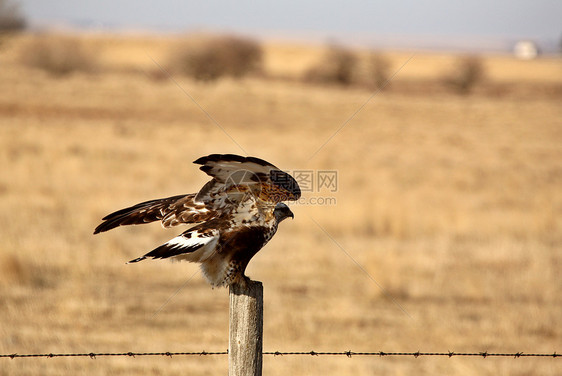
<point>348,353</point>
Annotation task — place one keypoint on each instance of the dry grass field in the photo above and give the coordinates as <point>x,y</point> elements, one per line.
<point>452,204</point>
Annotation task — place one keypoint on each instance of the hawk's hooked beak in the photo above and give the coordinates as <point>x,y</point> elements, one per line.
<point>282,212</point>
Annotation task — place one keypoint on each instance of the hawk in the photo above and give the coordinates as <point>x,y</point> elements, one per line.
<point>232,217</point>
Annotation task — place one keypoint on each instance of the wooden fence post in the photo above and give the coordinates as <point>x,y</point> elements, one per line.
<point>246,329</point>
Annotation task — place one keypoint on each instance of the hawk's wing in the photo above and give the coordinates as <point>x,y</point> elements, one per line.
<point>171,211</point>
<point>237,182</point>
<point>236,177</point>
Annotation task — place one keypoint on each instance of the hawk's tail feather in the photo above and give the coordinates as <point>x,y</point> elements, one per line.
<point>136,260</point>
<point>166,251</point>
<point>190,246</point>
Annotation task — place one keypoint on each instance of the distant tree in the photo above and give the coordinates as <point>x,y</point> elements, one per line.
<point>338,66</point>
<point>218,56</point>
<point>469,71</point>
<point>11,17</point>
<point>58,55</point>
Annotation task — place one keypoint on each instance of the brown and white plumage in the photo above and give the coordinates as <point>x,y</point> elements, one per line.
<point>233,216</point>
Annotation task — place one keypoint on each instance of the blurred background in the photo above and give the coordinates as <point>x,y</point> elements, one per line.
<point>428,137</point>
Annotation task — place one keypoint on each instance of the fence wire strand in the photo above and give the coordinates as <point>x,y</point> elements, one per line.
<point>348,354</point>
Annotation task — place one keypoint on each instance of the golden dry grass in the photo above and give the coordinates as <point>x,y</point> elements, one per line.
<point>452,204</point>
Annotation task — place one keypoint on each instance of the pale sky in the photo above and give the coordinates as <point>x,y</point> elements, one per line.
<point>449,19</point>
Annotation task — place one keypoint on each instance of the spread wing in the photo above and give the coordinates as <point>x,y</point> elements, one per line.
<point>238,182</point>
<point>171,211</point>
<point>236,177</point>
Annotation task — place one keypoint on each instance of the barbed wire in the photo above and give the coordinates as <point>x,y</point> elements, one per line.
<point>417,354</point>
<point>348,354</point>
<point>94,355</point>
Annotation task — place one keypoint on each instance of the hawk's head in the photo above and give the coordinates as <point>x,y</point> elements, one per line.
<point>282,212</point>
